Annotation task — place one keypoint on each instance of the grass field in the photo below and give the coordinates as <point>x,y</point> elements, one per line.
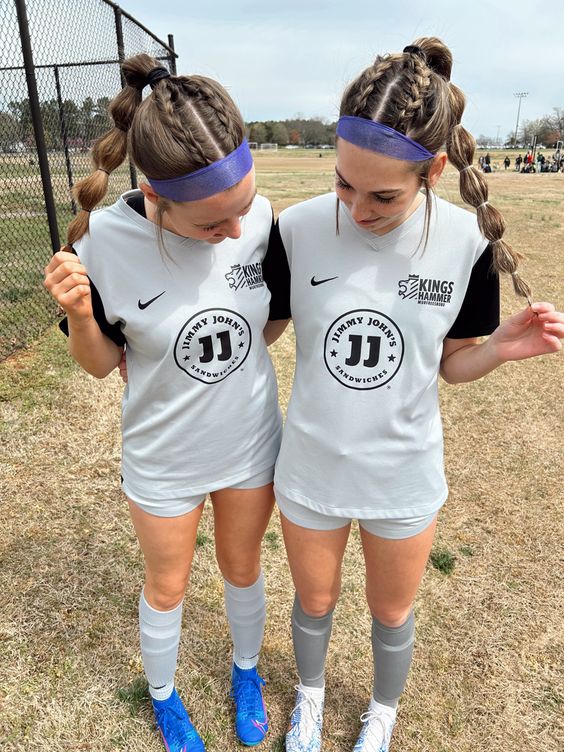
<point>488,668</point>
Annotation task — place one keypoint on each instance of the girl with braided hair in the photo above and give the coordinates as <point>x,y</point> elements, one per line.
<point>387,293</point>
<point>173,272</point>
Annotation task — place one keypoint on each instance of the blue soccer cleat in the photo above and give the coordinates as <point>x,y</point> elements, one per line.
<point>177,730</point>
<point>251,721</point>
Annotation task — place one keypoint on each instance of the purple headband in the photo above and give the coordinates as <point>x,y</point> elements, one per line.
<point>378,137</point>
<point>209,180</point>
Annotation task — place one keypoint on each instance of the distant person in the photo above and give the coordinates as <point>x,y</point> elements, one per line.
<point>518,162</point>
<point>506,162</point>
<point>487,159</point>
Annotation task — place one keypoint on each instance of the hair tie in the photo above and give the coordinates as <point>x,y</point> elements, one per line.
<point>85,210</point>
<point>101,169</point>
<point>486,203</point>
<point>468,167</point>
<point>156,75</point>
<point>119,128</point>
<point>412,49</point>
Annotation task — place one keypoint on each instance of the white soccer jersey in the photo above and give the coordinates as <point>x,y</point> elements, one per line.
<point>363,436</point>
<point>200,410</point>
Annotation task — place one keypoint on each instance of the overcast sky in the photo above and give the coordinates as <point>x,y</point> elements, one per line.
<point>298,57</point>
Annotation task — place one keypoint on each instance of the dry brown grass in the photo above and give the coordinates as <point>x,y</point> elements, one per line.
<point>488,662</point>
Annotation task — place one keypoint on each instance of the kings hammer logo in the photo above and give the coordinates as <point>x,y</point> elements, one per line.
<point>425,291</point>
<point>246,275</point>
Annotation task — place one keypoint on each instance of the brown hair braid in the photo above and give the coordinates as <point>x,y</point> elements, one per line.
<point>186,123</point>
<point>411,92</point>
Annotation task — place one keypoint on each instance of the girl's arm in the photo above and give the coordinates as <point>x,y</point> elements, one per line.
<point>535,331</point>
<point>274,329</point>
<point>67,281</point>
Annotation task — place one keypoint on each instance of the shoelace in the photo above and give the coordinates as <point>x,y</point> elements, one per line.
<point>370,717</point>
<point>167,724</point>
<point>309,702</point>
<point>247,694</point>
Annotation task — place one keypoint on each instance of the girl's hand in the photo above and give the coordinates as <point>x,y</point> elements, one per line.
<point>535,331</point>
<point>67,281</point>
<point>123,368</point>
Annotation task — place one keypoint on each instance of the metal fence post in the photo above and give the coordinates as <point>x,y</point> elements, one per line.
<point>64,135</point>
<point>121,56</point>
<point>172,56</point>
<point>37,124</point>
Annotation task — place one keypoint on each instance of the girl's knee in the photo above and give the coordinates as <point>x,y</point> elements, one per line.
<point>317,604</point>
<point>164,594</point>
<point>238,568</point>
<point>240,575</point>
<point>389,615</point>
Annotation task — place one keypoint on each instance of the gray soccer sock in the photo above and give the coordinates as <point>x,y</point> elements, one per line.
<point>311,639</point>
<point>246,614</point>
<point>392,648</point>
<point>160,635</point>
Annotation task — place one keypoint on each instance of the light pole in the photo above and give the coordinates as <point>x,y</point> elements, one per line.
<point>497,137</point>
<point>520,95</point>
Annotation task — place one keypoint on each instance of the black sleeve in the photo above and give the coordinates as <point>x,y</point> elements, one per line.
<point>479,314</point>
<point>276,274</point>
<point>113,331</point>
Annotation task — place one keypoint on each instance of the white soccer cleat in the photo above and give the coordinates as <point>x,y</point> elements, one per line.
<point>306,720</point>
<point>379,721</point>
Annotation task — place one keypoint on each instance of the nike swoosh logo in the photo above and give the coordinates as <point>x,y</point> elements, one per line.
<point>316,282</point>
<point>142,306</point>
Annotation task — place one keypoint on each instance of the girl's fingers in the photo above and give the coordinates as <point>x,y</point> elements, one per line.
<point>522,317</point>
<point>60,258</point>
<point>70,283</point>
<point>74,296</point>
<point>542,307</point>
<point>552,341</point>
<point>551,316</point>
<point>554,328</point>
<point>64,270</point>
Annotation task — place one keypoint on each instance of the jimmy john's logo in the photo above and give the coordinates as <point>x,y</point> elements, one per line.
<point>245,275</point>
<point>212,344</point>
<point>437,292</point>
<point>363,349</point>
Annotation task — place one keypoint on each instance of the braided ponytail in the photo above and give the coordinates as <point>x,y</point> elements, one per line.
<point>473,186</point>
<point>474,190</point>
<point>110,150</point>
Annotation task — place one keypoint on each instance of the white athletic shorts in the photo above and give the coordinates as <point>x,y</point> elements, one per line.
<point>185,504</point>
<point>394,529</point>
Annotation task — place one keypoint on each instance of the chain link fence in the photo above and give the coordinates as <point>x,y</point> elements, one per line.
<point>59,68</point>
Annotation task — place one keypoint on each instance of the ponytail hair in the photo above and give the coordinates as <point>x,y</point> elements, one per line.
<point>110,150</point>
<point>411,92</point>
<point>474,190</point>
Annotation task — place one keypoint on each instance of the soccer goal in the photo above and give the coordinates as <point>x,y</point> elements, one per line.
<point>269,147</point>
